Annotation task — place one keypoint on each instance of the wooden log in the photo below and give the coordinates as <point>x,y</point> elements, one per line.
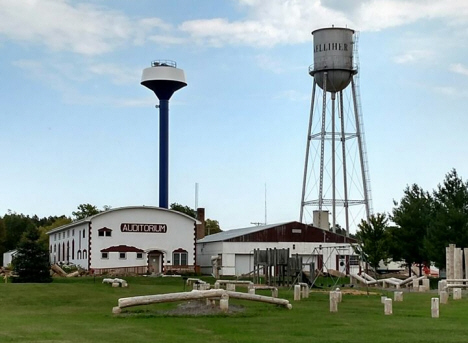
<point>224,303</point>
<point>398,296</point>
<point>74,274</point>
<point>435,307</point>
<point>297,292</point>
<point>388,310</point>
<point>260,298</point>
<point>194,295</point>
<point>333,302</point>
<point>443,297</point>
<point>170,297</point>
<point>56,268</point>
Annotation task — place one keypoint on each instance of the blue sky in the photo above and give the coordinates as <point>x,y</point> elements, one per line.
<point>77,127</point>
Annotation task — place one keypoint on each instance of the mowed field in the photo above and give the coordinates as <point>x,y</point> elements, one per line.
<point>80,310</point>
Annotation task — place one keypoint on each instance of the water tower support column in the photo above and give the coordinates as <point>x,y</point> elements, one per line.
<point>333,97</point>
<point>343,151</point>
<point>309,137</point>
<point>164,153</point>
<point>322,144</point>
<point>361,152</point>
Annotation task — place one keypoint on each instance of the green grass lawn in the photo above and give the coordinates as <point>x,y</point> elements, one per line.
<point>80,310</point>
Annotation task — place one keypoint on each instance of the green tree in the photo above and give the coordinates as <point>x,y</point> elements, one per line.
<point>31,262</point>
<point>59,221</point>
<point>449,224</point>
<point>183,209</point>
<point>373,235</point>
<point>85,210</point>
<point>2,240</point>
<point>413,217</point>
<point>211,227</point>
<point>15,225</point>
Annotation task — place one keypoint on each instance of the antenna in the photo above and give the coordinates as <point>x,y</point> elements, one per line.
<point>265,204</point>
<point>196,196</point>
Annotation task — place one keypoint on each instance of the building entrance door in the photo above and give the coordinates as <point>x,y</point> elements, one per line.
<point>154,262</point>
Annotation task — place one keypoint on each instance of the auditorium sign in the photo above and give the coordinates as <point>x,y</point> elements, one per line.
<point>147,228</point>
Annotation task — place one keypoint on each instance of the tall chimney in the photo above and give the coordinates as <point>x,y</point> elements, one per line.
<point>201,227</point>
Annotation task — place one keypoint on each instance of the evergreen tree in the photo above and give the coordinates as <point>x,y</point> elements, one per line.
<point>449,224</point>
<point>413,217</point>
<point>31,262</point>
<point>374,238</point>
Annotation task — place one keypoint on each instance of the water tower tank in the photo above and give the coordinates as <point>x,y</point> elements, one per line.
<point>333,54</point>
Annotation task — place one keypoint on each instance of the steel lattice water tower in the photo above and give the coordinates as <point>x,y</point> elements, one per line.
<point>164,79</point>
<point>336,177</point>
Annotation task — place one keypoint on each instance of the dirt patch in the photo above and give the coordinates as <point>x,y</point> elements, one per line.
<point>189,308</point>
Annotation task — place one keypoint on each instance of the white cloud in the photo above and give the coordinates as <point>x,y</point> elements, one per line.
<point>62,25</point>
<point>459,69</point>
<point>290,21</point>
<point>118,74</point>
<point>414,56</point>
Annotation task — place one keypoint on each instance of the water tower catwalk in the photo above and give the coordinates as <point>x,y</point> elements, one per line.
<point>336,179</point>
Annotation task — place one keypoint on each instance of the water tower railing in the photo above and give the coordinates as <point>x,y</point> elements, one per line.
<point>312,70</point>
<point>164,63</point>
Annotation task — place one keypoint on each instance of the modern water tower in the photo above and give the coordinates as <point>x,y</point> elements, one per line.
<point>336,184</point>
<point>163,78</point>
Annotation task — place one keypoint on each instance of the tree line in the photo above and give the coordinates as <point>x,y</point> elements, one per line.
<point>424,223</point>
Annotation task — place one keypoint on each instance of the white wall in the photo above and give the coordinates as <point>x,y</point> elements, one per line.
<point>76,238</point>
<point>8,257</point>
<point>180,234</point>
<point>229,250</point>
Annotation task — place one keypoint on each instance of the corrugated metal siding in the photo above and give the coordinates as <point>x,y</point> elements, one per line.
<point>292,232</point>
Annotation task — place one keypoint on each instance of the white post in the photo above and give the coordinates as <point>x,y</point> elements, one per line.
<point>458,271</point>
<point>457,293</point>
<point>216,285</point>
<point>443,297</point>
<point>274,293</point>
<point>252,290</point>
<point>339,295</point>
<point>416,284</point>
<point>426,284</point>
<point>382,299</point>
<point>442,286</point>
<point>224,303</point>
<point>333,302</point>
<point>466,262</point>
<point>231,287</point>
<point>388,306</point>
<point>398,296</point>
<point>297,292</point>
<point>435,307</point>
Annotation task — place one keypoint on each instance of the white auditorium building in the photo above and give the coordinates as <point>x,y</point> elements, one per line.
<point>124,240</point>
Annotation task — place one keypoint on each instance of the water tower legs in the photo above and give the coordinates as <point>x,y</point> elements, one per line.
<point>335,174</point>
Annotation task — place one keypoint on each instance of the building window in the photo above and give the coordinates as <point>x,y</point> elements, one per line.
<point>179,257</point>
<point>354,260</point>
<point>84,233</point>
<point>104,255</point>
<point>73,233</point>
<point>85,254</point>
<point>139,255</point>
<point>122,255</point>
<point>105,231</point>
